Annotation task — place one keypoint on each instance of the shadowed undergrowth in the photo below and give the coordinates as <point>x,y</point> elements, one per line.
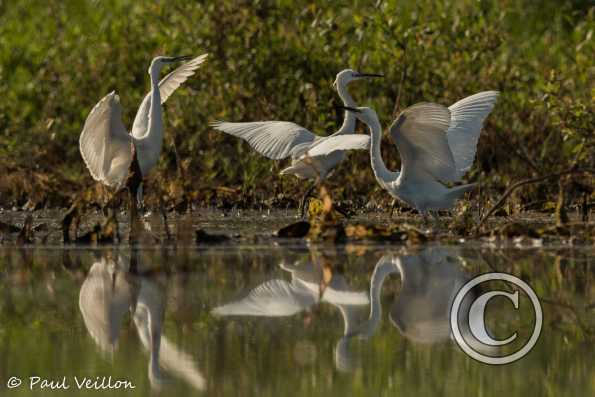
<point>277,60</point>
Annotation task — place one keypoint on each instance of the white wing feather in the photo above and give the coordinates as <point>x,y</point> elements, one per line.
<point>467,117</point>
<point>273,139</point>
<point>274,298</point>
<point>420,135</point>
<point>340,142</point>
<point>167,86</point>
<point>105,145</point>
<point>299,150</point>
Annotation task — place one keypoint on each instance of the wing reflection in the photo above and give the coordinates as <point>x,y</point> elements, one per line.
<point>109,291</point>
<point>280,298</point>
<point>106,295</point>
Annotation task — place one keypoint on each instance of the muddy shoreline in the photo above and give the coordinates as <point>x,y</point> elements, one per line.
<point>241,226</point>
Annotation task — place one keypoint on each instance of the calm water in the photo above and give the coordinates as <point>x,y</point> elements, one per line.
<point>285,321</point>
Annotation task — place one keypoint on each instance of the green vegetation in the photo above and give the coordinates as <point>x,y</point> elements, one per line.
<point>277,60</point>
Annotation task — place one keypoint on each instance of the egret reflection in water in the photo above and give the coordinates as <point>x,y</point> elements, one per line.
<point>110,290</point>
<point>430,281</point>
<point>281,298</point>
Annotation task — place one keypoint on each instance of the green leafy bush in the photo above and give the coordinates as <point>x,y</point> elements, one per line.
<point>277,60</point>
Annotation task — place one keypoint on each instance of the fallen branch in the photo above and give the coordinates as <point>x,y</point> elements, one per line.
<point>524,182</point>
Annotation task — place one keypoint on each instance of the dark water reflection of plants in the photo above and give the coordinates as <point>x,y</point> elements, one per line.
<point>355,320</point>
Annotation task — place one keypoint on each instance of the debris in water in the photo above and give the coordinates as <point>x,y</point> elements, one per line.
<point>298,229</point>
<point>202,237</point>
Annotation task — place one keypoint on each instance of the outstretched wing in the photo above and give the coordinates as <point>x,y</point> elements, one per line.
<point>340,142</point>
<point>273,139</point>
<point>467,117</point>
<point>167,86</point>
<point>420,136</point>
<point>105,145</point>
<point>274,298</point>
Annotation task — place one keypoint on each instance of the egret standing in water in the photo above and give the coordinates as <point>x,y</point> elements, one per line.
<point>436,144</point>
<point>281,139</point>
<point>110,152</point>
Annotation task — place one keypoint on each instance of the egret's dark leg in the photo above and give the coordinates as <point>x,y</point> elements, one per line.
<point>342,212</point>
<point>132,238</point>
<point>424,217</point>
<point>435,219</point>
<point>139,198</point>
<point>394,207</point>
<point>133,269</point>
<point>134,181</point>
<point>304,202</point>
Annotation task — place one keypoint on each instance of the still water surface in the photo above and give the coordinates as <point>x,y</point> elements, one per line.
<point>285,321</point>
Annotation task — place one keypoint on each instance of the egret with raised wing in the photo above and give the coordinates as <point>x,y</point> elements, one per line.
<point>110,152</point>
<point>281,139</point>
<point>436,144</point>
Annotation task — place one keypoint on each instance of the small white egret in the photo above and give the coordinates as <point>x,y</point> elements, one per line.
<point>281,139</point>
<point>436,144</point>
<point>110,152</point>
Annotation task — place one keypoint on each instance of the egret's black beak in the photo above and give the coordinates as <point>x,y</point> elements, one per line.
<point>362,75</point>
<point>349,109</point>
<point>178,59</point>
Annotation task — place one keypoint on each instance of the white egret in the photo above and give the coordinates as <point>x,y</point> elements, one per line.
<point>110,152</point>
<point>436,144</point>
<point>281,139</point>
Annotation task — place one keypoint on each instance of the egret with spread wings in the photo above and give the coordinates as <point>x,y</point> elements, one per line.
<point>110,152</point>
<point>281,139</point>
<point>436,144</point>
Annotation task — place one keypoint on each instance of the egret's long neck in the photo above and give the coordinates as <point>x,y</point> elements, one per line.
<point>155,130</point>
<point>381,173</point>
<point>348,126</point>
<point>380,273</point>
<point>149,145</point>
